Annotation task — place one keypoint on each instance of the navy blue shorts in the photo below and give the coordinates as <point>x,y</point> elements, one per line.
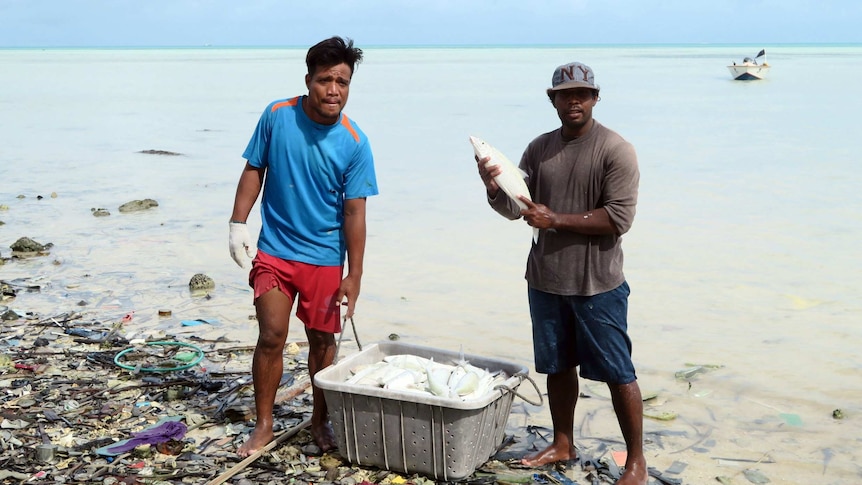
<point>585,331</point>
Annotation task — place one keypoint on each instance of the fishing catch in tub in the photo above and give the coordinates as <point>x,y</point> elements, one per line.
<point>411,373</point>
<point>510,179</point>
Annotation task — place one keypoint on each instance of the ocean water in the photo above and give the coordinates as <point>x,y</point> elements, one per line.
<point>744,253</point>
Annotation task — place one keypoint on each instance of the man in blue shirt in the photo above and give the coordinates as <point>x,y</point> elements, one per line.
<point>316,169</point>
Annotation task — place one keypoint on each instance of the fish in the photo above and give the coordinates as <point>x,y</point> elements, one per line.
<point>406,361</point>
<point>455,376</point>
<point>486,384</point>
<point>511,178</point>
<point>411,373</point>
<point>368,374</point>
<point>404,380</point>
<point>438,381</point>
<point>466,384</point>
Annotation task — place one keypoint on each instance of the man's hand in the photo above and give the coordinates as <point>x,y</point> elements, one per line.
<point>349,290</point>
<point>538,215</point>
<point>487,173</point>
<point>239,242</point>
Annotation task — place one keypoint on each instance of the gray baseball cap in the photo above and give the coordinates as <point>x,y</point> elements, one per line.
<point>573,75</point>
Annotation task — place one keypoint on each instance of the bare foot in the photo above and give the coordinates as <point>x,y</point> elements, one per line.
<point>549,455</point>
<point>636,474</point>
<point>324,437</point>
<point>257,439</point>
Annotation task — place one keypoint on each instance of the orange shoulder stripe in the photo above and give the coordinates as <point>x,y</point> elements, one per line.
<point>289,102</point>
<point>346,122</point>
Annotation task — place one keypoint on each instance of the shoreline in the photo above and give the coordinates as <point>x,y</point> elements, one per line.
<point>687,428</point>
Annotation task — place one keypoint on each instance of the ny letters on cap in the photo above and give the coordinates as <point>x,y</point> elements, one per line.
<point>573,75</point>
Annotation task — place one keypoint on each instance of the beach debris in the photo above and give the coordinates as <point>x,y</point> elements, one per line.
<point>87,404</point>
<point>676,467</point>
<point>733,461</point>
<point>7,292</point>
<point>201,283</point>
<point>791,419</point>
<point>138,205</point>
<point>254,456</point>
<point>166,356</point>
<point>39,197</point>
<point>662,416</point>
<point>755,476</point>
<point>25,246</point>
<point>838,414</point>
<point>692,370</point>
<point>199,321</point>
<point>166,429</point>
<point>16,284</point>
<point>160,152</point>
<point>91,406</point>
<point>100,212</point>
<point>828,454</point>
<point>619,457</point>
<point>804,303</point>
<point>45,453</point>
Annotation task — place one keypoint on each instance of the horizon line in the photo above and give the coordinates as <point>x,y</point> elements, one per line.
<point>428,46</point>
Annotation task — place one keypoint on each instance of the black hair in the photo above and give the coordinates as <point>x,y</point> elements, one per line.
<point>331,52</point>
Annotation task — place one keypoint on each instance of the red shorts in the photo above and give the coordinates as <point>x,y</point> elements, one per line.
<point>316,286</point>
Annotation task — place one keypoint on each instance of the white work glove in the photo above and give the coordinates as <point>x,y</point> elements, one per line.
<point>240,242</point>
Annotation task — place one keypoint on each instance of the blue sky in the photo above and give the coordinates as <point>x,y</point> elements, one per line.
<point>430,22</point>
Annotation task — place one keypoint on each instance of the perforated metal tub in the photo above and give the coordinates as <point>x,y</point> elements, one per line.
<point>443,438</point>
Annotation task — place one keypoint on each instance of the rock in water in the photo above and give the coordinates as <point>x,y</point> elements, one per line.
<point>10,315</point>
<point>138,205</point>
<point>27,245</point>
<point>160,152</point>
<point>201,282</point>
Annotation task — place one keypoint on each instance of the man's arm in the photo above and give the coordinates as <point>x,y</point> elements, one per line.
<point>247,190</point>
<point>594,223</point>
<point>354,237</point>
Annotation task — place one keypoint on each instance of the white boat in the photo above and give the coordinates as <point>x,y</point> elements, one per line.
<point>750,69</point>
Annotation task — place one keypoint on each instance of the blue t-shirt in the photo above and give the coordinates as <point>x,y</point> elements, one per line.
<point>310,170</point>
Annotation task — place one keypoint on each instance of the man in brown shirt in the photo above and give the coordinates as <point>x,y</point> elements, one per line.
<point>583,179</point>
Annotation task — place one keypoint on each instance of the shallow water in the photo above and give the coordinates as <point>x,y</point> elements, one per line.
<point>743,254</point>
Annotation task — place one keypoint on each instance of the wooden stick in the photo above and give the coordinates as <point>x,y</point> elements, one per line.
<point>257,454</point>
<point>293,391</point>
